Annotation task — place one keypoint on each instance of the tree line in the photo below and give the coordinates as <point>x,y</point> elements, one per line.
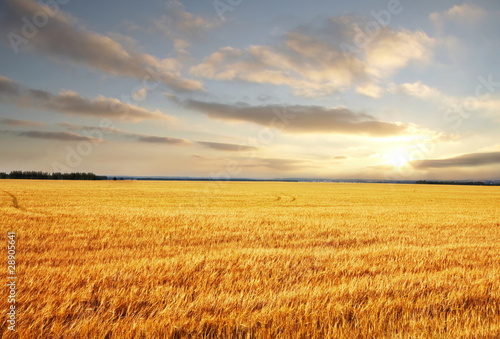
<point>51,176</point>
<point>473,183</point>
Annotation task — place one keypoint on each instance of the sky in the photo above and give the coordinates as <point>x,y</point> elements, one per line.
<point>394,89</point>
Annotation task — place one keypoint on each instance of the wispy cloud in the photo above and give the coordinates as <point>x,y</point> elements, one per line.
<point>466,160</point>
<point>128,136</point>
<point>63,38</point>
<point>261,163</point>
<point>158,140</point>
<point>226,147</point>
<point>278,164</point>
<point>487,105</point>
<point>180,23</point>
<point>468,13</point>
<point>206,158</point>
<point>61,136</point>
<point>417,89</point>
<point>21,123</point>
<point>302,119</point>
<point>72,103</point>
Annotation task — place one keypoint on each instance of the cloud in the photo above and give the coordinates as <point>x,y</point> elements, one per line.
<point>268,163</point>
<point>65,136</point>
<point>466,160</point>
<point>463,22</point>
<point>8,87</point>
<point>468,13</point>
<point>158,140</point>
<point>206,158</point>
<point>279,164</point>
<point>370,90</point>
<point>486,105</point>
<point>61,136</point>
<point>489,107</point>
<point>301,119</point>
<point>128,136</point>
<point>312,60</point>
<point>417,89</point>
<point>179,22</point>
<point>140,94</point>
<point>21,123</point>
<point>62,38</point>
<point>72,103</point>
<point>226,147</point>
<point>339,157</point>
<point>392,50</point>
<point>73,127</point>
<point>266,98</point>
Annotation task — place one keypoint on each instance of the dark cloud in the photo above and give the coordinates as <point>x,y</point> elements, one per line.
<point>128,136</point>
<point>339,157</point>
<point>21,123</point>
<point>8,87</point>
<point>74,127</point>
<point>61,37</point>
<point>39,94</point>
<point>65,136</point>
<point>72,103</point>
<point>61,136</point>
<point>159,140</point>
<point>466,160</point>
<point>301,119</point>
<point>226,147</point>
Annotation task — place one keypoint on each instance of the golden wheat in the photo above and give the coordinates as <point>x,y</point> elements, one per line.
<point>132,259</point>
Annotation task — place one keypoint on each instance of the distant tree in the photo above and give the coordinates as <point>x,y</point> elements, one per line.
<point>39,175</point>
<point>16,175</point>
<point>114,178</point>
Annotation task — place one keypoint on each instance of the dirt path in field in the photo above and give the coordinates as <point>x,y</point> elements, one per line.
<point>286,198</point>
<point>15,202</point>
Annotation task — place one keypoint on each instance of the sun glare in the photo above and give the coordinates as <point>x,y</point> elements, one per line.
<point>398,158</point>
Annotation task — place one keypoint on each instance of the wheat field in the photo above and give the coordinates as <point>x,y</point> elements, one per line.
<point>134,259</point>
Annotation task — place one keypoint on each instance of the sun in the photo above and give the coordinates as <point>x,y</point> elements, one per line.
<point>397,158</point>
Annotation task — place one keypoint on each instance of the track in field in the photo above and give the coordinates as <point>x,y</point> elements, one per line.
<point>285,198</point>
<point>15,202</point>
